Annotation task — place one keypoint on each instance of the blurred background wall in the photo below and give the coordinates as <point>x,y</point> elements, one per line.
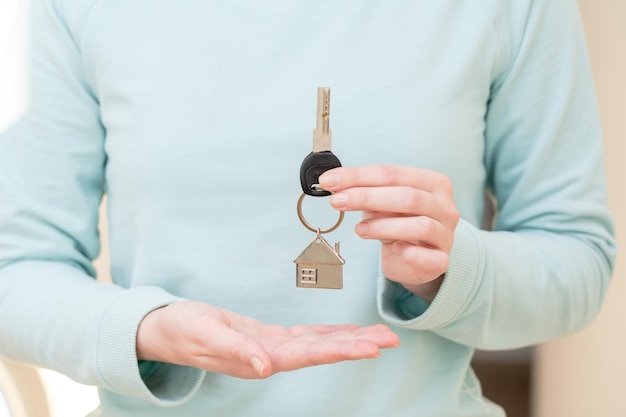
<point>585,375</point>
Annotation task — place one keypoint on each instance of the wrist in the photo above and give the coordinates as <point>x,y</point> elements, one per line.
<point>427,291</point>
<point>147,335</point>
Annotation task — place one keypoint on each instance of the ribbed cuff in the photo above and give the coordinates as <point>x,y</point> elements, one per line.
<point>116,357</point>
<point>399,307</point>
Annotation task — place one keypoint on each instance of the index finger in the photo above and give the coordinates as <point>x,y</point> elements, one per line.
<point>379,176</point>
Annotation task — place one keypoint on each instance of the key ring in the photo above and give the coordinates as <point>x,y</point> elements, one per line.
<point>316,229</point>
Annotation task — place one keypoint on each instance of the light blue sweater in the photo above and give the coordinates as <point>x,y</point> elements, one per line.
<point>194,118</point>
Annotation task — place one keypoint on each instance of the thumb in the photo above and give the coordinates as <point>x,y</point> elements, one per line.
<point>236,346</point>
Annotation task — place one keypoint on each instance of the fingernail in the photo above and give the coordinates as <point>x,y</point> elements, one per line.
<point>258,366</point>
<point>362,229</point>
<point>375,355</point>
<point>339,199</point>
<point>328,179</point>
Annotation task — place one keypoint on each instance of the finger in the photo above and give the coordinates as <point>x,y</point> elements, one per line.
<point>320,329</point>
<point>324,353</point>
<point>380,335</point>
<point>416,229</point>
<point>312,350</point>
<point>367,215</point>
<point>326,344</point>
<point>381,175</point>
<point>413,264</point>
<point>403,200</point>
<point>241,353</point>
<point>232,368</point>
<point>303,353</point>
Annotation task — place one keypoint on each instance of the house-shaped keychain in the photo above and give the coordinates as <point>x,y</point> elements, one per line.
<point>320,266</point>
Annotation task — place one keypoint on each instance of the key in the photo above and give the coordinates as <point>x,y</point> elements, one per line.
<point>321,159</point>
<point>320,265</point>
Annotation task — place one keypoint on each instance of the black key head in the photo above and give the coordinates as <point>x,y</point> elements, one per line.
<point>314,165</point>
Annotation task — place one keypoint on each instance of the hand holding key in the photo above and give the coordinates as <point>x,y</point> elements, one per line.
<point>196,334</point>
<point>411,211</point>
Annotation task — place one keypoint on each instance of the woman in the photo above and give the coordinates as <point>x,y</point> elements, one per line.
<point>194,118</point>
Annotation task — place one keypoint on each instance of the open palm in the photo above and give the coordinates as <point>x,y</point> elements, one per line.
<point>197,334</point>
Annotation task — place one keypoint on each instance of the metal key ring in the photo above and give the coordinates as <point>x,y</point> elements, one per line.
<point>316,229</point>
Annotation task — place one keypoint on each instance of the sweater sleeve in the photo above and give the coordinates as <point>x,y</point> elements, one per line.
<point>544,269</point>
<point>52,165</point>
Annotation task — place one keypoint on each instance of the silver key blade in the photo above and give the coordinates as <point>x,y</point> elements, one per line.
<point>322,135</point>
